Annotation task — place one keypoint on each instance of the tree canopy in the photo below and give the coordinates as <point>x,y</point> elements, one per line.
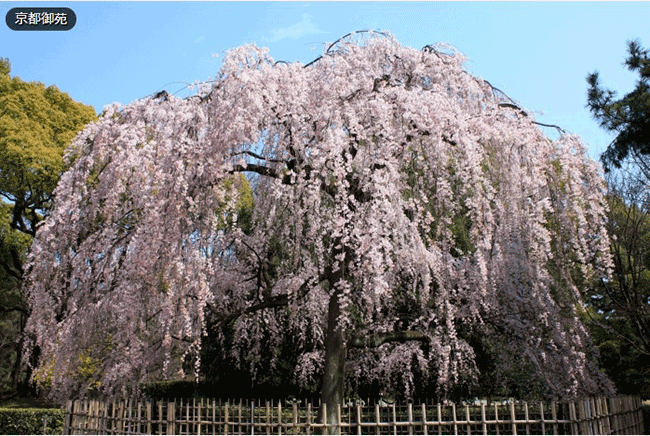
<point>627,117</point>
<point>398,202</point>
<point>620,308</point>
<point>36,125</point>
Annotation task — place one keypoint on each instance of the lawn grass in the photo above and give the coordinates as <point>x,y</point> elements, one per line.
<point>27,403</point>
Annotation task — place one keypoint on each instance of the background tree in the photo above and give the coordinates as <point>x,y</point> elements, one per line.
<point>385,232</point>
<point>36,125</point>
<point>628,117</point>
<point>620,312</point>
<point>620,308</point>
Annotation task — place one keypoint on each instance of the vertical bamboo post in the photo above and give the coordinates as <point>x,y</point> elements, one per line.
<point>100,421</point>
<point>226,417</point>
<point>268,417</point>
<point>68,416</point>
<point>112,420</point>
<point>279,417</point>
<point>149,416</point>
<point>639,414</point>
<point>614,414</point>
<point>590,415</point>
<point>377,418</point>
<point>171,418</point>
<point>483,419</point>
<point>182,418</point>
<point>130,422</point>
<point>583,417</point>
<point>82,417</point>
<point>176,422</point>
<point>101,415</point>
<point>554,417</point>
<point>338,419</point>
<point>453,409</point>
<point>120,416</point>
<point>309,418</point>
<point>573,418</point>
<point>424,418</point>
<point>410,417</point>
<point>467,418</point>
<point>198,415</point>
<point>513,418</point>
<point>252,417</point>
<point>88,415</point>
<point>394,420</point>
<point>90,424</point>
<point>295,418</point>
<point>96,412</point>
<point>615,419</point>
<point>439,419</point>
<point>239,416</point>
<point>160,417</point>
<point>124,415</point>
<point>214,415</point>
<point>358,419</point>
<point>138,425</point>
<point>598,407</point>
<point>541,412</point>
<point>526,416</point>
<point>114,417</point>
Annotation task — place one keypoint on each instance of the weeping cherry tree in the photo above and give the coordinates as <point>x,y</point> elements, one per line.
<point>401,199</point>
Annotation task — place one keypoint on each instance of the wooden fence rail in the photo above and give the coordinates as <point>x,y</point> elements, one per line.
<point>619,415</point>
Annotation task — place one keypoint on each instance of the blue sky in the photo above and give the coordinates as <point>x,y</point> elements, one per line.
<point>537,53</point>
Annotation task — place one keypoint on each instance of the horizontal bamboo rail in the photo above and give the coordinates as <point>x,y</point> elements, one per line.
<point>619,415</point>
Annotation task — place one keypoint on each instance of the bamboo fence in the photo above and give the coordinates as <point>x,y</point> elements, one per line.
<point>619,415</point>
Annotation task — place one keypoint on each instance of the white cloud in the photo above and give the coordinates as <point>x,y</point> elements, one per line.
<point>295,31</point>
<point>199,39</point>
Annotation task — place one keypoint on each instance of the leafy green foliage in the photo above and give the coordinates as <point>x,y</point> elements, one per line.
<point>619,309</point>
<point>168,389</point>
<point>628,117</point>
<point>36,125</point>
<point>31,421</point>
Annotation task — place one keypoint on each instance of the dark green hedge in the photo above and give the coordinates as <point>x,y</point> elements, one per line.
<point>31,421</point>
<point>168,389</point>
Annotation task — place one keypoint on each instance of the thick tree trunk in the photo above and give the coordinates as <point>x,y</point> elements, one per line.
<point>17,365</point>
<point>335,354</point>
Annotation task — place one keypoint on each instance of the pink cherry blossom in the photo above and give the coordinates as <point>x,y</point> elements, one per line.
<point>381,173</point>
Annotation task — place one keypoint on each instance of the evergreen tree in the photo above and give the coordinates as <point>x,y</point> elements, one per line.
<point>627,117</point>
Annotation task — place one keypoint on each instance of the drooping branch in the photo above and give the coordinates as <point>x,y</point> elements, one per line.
<point>17,270</point>
<point>259,169</point>
<point>270,302</point>
<point>257,156</point>
<point>273,302</point>
<point>374,32</point>
<point>20,309</point>
<point>378,339</point>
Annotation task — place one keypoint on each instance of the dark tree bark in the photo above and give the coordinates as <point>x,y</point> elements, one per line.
<point>334,371</point>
